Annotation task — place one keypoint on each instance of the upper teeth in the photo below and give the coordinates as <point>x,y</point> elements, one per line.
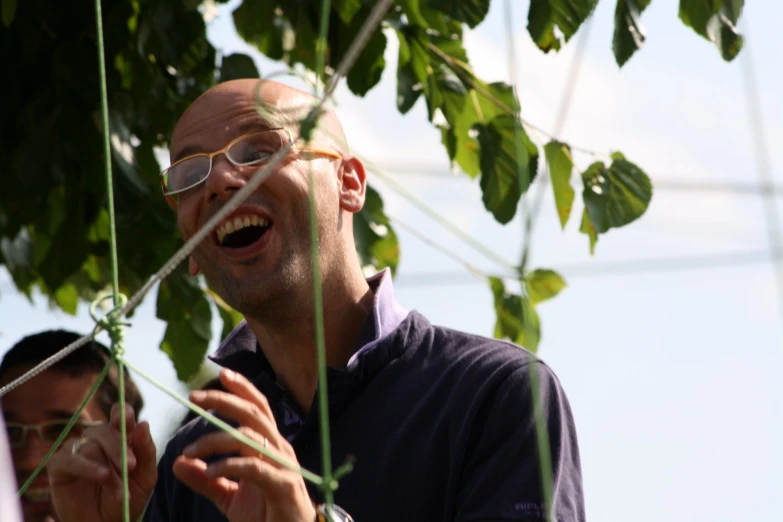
<point>238,223</point>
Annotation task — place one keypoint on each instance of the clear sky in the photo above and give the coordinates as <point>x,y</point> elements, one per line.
<point>672,367</point>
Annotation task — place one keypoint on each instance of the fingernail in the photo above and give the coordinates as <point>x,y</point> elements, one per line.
<point>189,450</point>
<point>210,472</point>
<point>197,395</point>
<point>230,375</point>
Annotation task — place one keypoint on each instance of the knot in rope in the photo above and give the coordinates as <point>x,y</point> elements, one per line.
<point>111,322</point>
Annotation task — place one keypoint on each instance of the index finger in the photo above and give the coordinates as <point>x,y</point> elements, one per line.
<point>240,386</point>
<point>130,416</point>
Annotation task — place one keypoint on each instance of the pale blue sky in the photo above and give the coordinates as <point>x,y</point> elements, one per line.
<point>673,376</point>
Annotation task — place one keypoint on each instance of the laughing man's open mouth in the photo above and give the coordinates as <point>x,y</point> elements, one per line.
<point>242,231</point>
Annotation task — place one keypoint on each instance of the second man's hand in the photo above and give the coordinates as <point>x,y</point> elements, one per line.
<point>85,477</point>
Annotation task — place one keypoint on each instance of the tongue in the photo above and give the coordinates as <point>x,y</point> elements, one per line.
<point>244,237</point>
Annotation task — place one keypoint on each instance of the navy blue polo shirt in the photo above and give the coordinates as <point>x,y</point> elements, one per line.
<point>440,423</point>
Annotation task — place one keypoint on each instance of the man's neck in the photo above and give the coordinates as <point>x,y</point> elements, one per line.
<point>290,345</point>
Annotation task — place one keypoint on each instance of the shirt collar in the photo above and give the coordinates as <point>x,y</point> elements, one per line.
<point>385,315</point>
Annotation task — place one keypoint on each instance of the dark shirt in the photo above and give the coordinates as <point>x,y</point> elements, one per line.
<point>440,422</point>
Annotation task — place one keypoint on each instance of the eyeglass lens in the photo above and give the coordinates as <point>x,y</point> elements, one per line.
<point>249,150</point>
<point>17,434</point>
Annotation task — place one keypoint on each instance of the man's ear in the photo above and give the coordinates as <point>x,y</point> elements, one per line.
<point>353,185</point>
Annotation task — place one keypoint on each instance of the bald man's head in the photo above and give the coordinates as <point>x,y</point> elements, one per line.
<point>259,257</point>
<point>271,103</point>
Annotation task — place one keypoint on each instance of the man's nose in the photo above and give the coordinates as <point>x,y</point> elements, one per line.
<point>223,180</point>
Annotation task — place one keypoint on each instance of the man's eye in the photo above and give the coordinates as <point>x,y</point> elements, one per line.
<point>52,431</point>
<point>188,173</point>
<point>250,155</point>
<point>15,434</point>
<point>255,148</point>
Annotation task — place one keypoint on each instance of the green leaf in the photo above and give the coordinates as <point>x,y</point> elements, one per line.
<point>696,13</point>
<point>346,9</point>
<point>498,98</point>
<point>464,112</point>
<point>376,241</point>
<point>182,303</point>
<point>18,254</point>
<point>412,10</point>
<point>438,23</point>
<point>413,68</point>
<point>565,15</point>
<point>558,157</point>
<point>230,317</point>
<point>715,20</point>
<point>587,227</point>
<point>506,157</point>
<point>628,31</point>
<point>256,24</point>
<point>186,341</point>
<point>68,247</point>
<point>99,230</point>
<point>236,66</point>
<point>615,196</point>
<point>408,87</point>
<point>516,317</point>
<point>543,284</point>
<point>67,298</point>
<point>366,72</point>
<point>175,295</point>
<point>724,33</point>
<point>9,12</point>
<point>471,12</point>
<point>732,9</point>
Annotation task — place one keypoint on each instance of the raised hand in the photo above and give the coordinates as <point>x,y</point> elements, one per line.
<point>246,488</point>
<point>86,479</point>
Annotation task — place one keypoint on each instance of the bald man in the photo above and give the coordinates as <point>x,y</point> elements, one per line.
<point>440,422</point>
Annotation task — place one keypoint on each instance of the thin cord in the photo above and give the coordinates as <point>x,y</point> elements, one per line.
<point>115,346</point>
<point>562,114</point>
<point>241,437</point>
<point>542,438</point>
<point>671,182</point>
<point>654,266</point>
<point>49,361</point>
<point>472,269</point>
<point>318,312</point>
<point>442,220</point>
<point>759,138</point>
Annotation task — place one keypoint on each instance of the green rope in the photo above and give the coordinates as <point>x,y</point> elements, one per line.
<point>115,280</point>
<point>433,214</point>
<point>115,328</point>
<point>123,440</point>
<point>542,437</point>
<point>67,430</point>
<point>329,484</point>
<point>308,475</point>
